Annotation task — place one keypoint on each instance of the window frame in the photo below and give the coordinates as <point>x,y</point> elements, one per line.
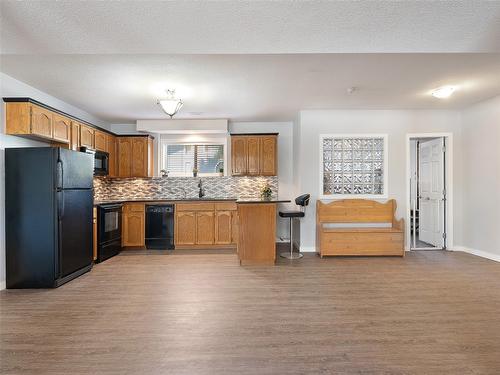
<point>215,141</point>
<point>385,181</point>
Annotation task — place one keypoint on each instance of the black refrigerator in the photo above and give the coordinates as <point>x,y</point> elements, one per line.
<point>48,216</point>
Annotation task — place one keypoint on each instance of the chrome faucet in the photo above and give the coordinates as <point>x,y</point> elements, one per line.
<point>201,192</point>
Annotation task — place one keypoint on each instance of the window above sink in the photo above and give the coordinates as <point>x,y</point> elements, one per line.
<point>193,159</point>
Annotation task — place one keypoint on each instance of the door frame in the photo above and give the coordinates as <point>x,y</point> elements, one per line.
<point>448,165</point>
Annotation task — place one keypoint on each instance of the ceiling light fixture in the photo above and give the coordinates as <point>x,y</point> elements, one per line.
<point>171,105</point>
<point>443,92</point>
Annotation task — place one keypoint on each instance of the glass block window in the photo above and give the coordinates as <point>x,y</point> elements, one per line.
<point>353,166</point>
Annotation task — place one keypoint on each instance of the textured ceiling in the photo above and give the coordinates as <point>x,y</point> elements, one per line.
<point>208,27</point>
<point>124,88</point>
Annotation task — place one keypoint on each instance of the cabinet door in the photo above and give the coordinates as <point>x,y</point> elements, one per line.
<point>75,136</point>
<point>253,146</point>
<point>133,229</point>
<point>223,232</point>
<point>185,228</point>
<point>268,162</point>
<point>124,156</point>
<point>111,150</point>
<point>99,140</point>
<point>41,122</point>
<point>151,156</point>
<point>234,227</point>
<point>61,128</point>
<point>139,157</point>
<point>86,136</point>
<point>238,156</point>
<point>205,228</point>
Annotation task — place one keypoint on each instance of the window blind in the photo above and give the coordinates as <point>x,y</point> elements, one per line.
<point>181,159</point>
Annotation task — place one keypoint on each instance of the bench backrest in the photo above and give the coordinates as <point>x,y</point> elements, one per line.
<point>355,211</point>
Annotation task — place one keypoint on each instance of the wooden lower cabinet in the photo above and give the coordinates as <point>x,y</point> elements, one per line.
<point>185,228</point>
<point>133,225</point>
<point>205,228</point>
<point>223,227</point>
<point>205,225</point>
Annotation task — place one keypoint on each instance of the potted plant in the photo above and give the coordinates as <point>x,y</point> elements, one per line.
<point>221,171</point>
<point>195,172</point>
<point>266,192</point>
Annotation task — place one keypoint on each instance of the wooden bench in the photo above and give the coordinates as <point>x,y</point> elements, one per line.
<point>355,227</point>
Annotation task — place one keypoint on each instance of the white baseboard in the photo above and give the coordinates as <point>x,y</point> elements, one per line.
<point>479,253</point>
<point>3,285</point>
<point>307,249</point>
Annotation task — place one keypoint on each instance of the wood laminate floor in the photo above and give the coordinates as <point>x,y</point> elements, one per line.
<point>200,313</point>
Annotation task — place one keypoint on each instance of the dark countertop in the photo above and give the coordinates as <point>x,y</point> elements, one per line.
<point>173,200</point>
<point>261,200</point>
<point>244,200</point>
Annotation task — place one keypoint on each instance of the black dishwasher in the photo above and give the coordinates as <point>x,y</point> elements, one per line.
<point>160,226</point>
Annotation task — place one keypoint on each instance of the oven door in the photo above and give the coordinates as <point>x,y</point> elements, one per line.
<point>101,163</point>
<point>110,223</point>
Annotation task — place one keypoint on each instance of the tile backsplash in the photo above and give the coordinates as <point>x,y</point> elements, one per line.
<point>180,187</point>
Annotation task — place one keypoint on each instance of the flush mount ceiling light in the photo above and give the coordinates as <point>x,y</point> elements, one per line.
<point>443,92</point>
<point>171,105</point>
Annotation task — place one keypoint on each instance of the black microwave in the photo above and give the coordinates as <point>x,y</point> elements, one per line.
<point>101,161</point>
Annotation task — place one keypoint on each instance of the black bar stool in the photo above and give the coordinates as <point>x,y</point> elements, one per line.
<point>301,201</point>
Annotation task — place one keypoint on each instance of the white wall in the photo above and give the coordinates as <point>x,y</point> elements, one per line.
<point>10,87</point>
<point>124,129</point>
<point>395,123</point>
<point>286,188</point>
<point>481,172</point>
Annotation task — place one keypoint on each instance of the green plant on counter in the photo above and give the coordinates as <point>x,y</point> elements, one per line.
<point>266,192</point>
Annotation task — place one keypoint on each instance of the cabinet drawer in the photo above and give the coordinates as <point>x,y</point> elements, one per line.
<point>133,207</point>
<point>194,207</point>
<point>226,206</point>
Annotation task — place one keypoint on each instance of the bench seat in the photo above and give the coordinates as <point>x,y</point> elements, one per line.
<point>363,240</point>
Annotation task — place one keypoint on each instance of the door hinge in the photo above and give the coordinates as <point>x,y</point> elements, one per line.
<point>444,149</point>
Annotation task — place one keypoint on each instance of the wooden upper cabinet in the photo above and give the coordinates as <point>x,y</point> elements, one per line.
<point>268,156</point>
<point>41,122</point>
<point>140,157</point>
<point>205,227</point>
<point>61,128</point>
<point>111,150</point>
<point>253,164</point>
<point>86,136</point>
<point>124,156</point>
<point>75,136</point>
<point>185,228</point>
<point>27,118</point>
<point>254,155</point>
<point>135,156</point>
<point>100,140</point>
<point>238,156</point>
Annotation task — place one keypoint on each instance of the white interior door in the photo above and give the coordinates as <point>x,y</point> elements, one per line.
<point>431,194</point>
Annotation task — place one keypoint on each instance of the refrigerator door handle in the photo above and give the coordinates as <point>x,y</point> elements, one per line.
<point>60,204</point>
<point>60,175</point>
